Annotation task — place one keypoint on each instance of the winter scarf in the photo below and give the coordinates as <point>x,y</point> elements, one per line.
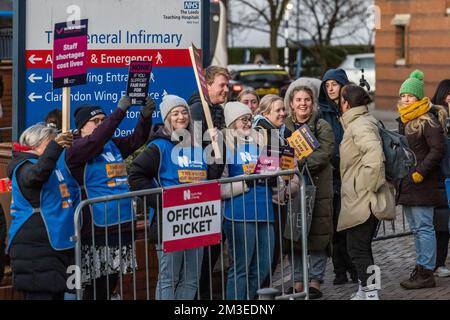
<point>414,110</point>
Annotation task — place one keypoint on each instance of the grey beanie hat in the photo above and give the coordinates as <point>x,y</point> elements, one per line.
<point>312,83</point>
<point>234,110</point>
<point>169,102</point>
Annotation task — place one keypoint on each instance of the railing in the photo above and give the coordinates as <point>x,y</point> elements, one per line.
<point>247,257</point>
<point>6,37</point>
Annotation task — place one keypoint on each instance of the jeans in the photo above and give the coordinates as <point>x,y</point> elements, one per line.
<point>257,239</point>
<point>420,220</point>
<point>317,266</point>
<point>359,246</point>
<point>179,273</point>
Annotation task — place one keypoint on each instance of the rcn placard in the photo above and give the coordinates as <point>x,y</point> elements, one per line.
<point>70,54</point>
<point>120,31</point>
<point>191,217</point>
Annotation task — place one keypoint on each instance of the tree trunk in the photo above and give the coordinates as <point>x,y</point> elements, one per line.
<point>273,46</point>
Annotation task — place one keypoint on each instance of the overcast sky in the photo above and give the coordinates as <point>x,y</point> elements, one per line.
<point>252,38</point>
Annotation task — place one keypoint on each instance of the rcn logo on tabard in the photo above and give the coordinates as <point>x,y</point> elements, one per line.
<point>187,195</point>
<point>191,5</point>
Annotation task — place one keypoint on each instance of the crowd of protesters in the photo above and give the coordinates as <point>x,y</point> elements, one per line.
<point>52,171</point>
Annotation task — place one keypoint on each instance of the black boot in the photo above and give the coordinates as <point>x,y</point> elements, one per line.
<point>354,276</point>
<point>341,278</point>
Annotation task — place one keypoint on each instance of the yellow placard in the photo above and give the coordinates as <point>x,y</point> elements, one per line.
<point>187,176</point>
<point>300,145</point>
<point>116,170</point>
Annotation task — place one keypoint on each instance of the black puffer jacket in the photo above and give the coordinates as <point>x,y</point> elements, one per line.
<point>36,266</point>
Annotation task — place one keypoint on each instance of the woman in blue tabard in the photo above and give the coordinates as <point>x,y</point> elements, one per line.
<point>42,210</point>
<point>96,161</point>
<point>248,210</point>
<point>172,161</point>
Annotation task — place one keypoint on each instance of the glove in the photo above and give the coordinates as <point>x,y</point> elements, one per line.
<point>148,107</point>
<point>64,139</point>
<point>417,177</point>
<point>124,103</point>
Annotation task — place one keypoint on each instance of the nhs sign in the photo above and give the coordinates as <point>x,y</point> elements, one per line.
<point>191,5</point>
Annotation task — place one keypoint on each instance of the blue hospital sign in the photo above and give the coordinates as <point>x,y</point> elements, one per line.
<point>119,32</point>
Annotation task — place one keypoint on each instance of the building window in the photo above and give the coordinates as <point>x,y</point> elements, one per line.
<point>400,44</point>
<point>401,22</point>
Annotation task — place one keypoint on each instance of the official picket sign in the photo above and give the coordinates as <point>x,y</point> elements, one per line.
<point>120,31</point>
<point>70,54</point>
<point>191,217</point>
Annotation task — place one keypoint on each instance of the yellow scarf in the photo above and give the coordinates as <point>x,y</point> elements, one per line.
<point>414,110</point>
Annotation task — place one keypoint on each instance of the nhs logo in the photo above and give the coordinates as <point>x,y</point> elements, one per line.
<point>183,162</point>
<point>191,5</point>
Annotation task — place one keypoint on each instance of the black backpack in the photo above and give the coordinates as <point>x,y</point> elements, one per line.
<point>400,159</point>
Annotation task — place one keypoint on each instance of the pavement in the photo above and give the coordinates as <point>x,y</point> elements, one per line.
<point>396,259</point>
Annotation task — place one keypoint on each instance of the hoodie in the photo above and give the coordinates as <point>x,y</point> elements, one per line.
<point>331,112</point>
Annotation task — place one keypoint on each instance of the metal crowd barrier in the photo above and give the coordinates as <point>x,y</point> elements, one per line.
<point>393,229</point>
<point>139,281</point>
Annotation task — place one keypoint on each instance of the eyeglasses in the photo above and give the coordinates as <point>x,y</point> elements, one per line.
<point>246,120</point>
<point>97,121</point>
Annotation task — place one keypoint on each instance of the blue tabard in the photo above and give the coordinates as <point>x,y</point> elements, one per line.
<point>60,195</point>
<point>243,161</point>
<point>106,175</point>
<point>179,164</point>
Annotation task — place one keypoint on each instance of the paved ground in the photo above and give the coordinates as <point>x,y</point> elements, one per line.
<point>396,259</point>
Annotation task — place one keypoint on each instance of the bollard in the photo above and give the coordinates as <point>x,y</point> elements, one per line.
<point>267,293</point>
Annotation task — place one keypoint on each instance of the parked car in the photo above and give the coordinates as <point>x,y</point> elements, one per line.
<point>353,64</point>
<point>263,78</point>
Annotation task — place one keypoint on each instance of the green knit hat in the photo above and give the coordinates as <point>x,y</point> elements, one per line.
<point>414,85</point>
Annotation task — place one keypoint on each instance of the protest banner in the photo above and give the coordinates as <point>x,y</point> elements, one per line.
<point>70,61</point>
<point>268,162</point>
<point>138,80</point>
<point>303,142</point>
<point>203,91</point>
<point>191,217</point>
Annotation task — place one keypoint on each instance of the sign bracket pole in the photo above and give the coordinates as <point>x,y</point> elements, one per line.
<point>65,109</point>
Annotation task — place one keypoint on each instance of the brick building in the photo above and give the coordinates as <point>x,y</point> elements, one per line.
<point>414,34</point>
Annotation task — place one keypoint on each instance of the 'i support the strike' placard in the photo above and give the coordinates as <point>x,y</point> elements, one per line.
<point>138,78</point>
<point>70,57</point>
<point>191,217</point>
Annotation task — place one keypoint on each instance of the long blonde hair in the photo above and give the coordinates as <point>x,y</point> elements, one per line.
<point>417,125</point>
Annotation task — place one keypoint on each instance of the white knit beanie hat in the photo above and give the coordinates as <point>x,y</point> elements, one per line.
<point>169,102</point>
<point>234,110</point>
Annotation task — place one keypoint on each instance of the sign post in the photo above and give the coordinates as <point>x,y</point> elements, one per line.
<point>191,217</point>
<point>69,61</point>
<point>203,91</point>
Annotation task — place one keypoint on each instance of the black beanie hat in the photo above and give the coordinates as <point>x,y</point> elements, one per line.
<point>84,113</point>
